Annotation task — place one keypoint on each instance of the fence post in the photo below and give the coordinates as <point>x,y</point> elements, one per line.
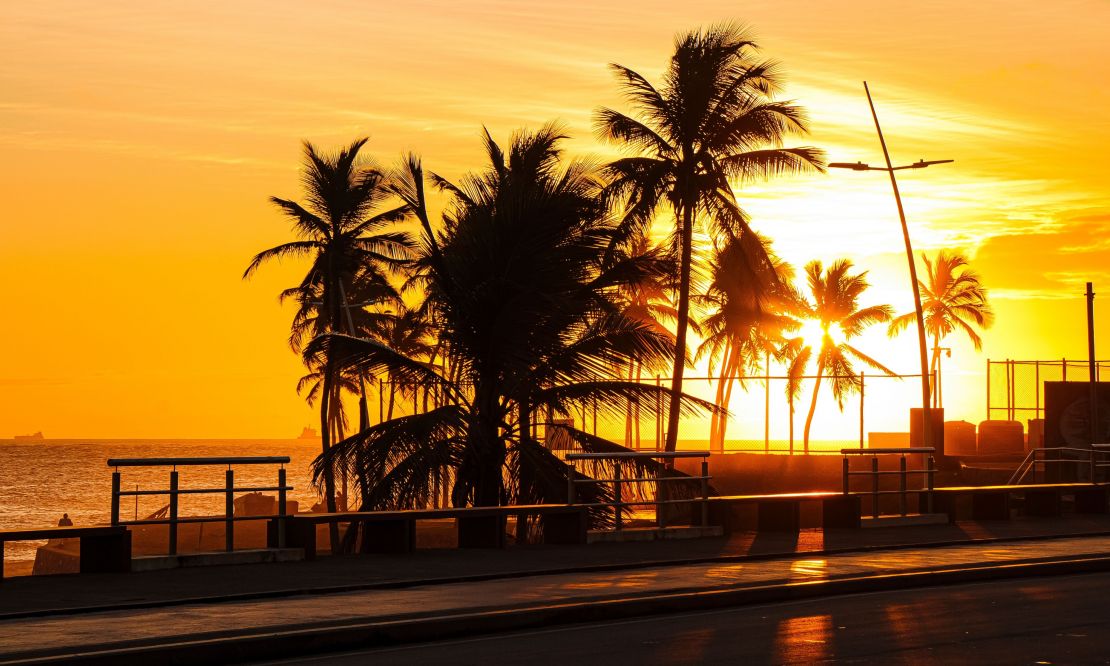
<point>988,389</point>
<point>570,483</point>
<point>845,467</point>
<point>766,408</point>
<point>861,409</point>
<point>173,512</point>
<point>617,494</point>
<point>229,509</point>
<point>283,507</point>
<point>704,492</point>
<point>929,474</point>
<point>902,485</point>
<point>115,498</point>
<point>874,486</point>
<point>658,413</point>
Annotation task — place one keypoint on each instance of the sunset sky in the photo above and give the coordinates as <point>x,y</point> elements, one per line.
<point>140,141</point>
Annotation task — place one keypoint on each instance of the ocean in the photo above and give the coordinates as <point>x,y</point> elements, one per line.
<point>39,481</point>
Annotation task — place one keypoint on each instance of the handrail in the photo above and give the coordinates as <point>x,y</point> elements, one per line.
<point>1086,456</point>
<point>228,491</point>
<point>227,460</point>
<point>902,472</point>
<point>617,481</point>
<point>630,455</point>
<point>869,452</point>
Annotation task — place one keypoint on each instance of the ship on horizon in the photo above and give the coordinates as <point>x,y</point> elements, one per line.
<point>309,433</point>
<point>37,437</point>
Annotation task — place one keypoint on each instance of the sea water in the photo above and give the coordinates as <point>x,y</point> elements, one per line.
<point>39,481</point>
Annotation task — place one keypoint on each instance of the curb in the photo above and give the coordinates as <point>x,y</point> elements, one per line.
<point>479,578</point>
<point>337,638</point>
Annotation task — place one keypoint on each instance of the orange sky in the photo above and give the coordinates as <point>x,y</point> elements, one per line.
<point>140,142</point>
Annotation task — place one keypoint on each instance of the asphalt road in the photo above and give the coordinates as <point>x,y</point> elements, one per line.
<point>1060,620</point>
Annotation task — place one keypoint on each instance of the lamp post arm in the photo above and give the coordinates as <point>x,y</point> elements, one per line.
<point>926,417</point>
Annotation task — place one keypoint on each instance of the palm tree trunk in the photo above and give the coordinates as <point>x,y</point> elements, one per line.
<point>733,372</point>
<point>325,443</point>
<point>392,393</point>
<point>813,405</point>
<point>715,439</point>
<point>687,242</point>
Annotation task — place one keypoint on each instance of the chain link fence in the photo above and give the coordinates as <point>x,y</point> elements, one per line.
<point>1015,389</point>
<point>759,418</point>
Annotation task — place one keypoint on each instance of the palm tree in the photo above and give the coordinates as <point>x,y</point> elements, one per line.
<point>526,306</point>
<point>953,299</point>
<point>835,306</point>
<point>407,332</point>
<point>645,301</point>
<point>341,226</point>
<point>750,304</point>
<point>713,121</point>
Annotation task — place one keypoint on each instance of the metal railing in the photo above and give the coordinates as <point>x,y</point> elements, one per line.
<point>1094,459</point>
<point>902,473</point>
<point>174,491</point>
<point>618,481</point>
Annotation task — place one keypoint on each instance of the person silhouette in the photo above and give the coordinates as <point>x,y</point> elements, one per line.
<point>65,521</point>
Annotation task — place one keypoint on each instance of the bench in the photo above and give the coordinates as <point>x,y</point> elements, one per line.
<point>395,531</point>
<point>1038,499</point>
<point>782,512</point>
<point>104,548</point>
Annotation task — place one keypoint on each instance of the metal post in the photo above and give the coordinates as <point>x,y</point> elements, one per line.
<point>570,483</point>
<point>874,486</point>
<point>766,407</point>
<point>988,389</point>
<point>658,413</point>
<point>1064,365</point>
<point>283,507</point>
<point>173,512</point>
<point>845,467</point>
<point>704,492</point>
<point>861,409</point>
<point>902,484</point>
<point>1093,379</point>
<point>1037,391</point>
<point>929,474</point>
<point>617,494</point>
<point>229,510</point>
<point>115,499</point>
<point>927,421</point>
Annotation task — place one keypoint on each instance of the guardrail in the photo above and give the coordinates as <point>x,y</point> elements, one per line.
<point>174,491</point>
<point>618,481</point>
<point>1083,457</point>
<point>902,472</point>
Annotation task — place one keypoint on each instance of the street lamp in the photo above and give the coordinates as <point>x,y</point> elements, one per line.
<point>926,417</point>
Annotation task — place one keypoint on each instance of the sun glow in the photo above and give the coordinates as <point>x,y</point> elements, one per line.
<point>813,332</point>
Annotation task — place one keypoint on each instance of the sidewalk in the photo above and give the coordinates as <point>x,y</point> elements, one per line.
<point>35,595</point>
<point>259,627</point>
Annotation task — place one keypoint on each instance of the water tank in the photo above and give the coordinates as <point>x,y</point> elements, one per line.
<point>1001,437</point>
<point>959,438</point>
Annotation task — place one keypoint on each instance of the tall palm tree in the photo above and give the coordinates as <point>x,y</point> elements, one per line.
<point>645,301</point>
<point>835,306</point>
<point>749,305</point>
<point>350,239</point>
<point>954,299</point>
<point>526,306</point>
<point>714,121</point>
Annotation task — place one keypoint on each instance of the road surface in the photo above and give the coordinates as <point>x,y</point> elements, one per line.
<point>1060,620</point>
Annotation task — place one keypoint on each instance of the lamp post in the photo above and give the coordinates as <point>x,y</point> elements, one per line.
<point>926,417</point>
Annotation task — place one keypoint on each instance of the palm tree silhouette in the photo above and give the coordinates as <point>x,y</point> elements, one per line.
<point>527,309</point>
<point>353,247</point>
<point>835,306</point>
<point>645,301</point>
<point>712,122</point>
<point>954,298</point>
<point>750,304</point>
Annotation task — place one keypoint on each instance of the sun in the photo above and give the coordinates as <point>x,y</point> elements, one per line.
<point>813,333</point>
